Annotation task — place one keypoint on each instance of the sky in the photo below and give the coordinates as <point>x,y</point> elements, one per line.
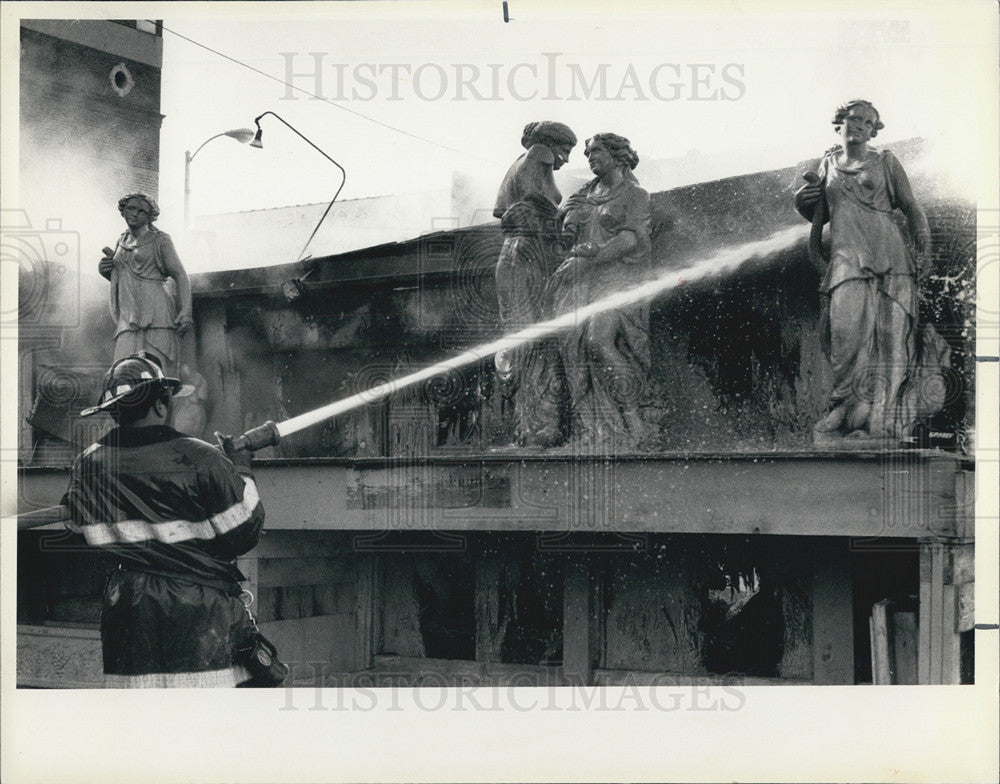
<point>411,93</point>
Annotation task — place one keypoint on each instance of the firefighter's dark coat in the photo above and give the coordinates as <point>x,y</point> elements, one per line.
<point>176,513</point>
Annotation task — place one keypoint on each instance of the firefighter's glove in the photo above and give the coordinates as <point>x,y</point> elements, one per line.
<point>239,457</point>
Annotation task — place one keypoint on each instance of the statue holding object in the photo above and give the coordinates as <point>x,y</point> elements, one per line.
<point>147,315</point>
<point>886,366</point>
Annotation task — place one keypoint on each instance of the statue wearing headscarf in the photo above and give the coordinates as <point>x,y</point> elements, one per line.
<point>526,204</point>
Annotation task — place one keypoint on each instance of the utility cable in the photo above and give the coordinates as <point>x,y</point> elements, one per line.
<point>274,78</point>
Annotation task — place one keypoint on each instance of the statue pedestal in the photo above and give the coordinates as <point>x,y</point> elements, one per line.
<point>846,443</point>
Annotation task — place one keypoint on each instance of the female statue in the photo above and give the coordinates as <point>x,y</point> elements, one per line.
<point>526,205</point>
<point>879,358</point>
<point>606,358</point>
<point>147,315</point>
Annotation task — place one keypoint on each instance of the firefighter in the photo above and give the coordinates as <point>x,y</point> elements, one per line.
<point>176,512</point>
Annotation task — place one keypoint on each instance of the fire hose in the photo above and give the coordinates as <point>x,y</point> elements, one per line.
<point>270,433</point>
<point>253,440</point>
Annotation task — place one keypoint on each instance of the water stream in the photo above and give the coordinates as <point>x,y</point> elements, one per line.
<point>725,261</point>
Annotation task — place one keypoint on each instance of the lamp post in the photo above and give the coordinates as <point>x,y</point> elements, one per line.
<point>258,144</point>
<point>242,135</point>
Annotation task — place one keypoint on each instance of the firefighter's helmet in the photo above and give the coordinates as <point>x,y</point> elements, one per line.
<point>128,380</point>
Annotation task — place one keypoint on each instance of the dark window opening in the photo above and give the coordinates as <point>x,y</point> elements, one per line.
<point>744,627</point>
<point>426,600</point>
<point>447,622</point>
<point>524,587</point>
<point>497,599</point>
<point>694,604</point>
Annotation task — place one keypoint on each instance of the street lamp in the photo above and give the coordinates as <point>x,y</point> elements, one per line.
<point>242,135</point>
<point>258,144</point>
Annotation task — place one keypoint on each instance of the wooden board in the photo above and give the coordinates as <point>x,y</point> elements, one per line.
<point>653,613</point>
<point>301,571</point>
<point>314,646</point>
<point>832,616</point>
<point>398,627</point>
<point>907,494</point>
<point>960,563</point>
<point>491,606</point>
<point>965,614</point>
<point>939,644</point>
<point>904,635</point>
<point>878,625</point>
<point>410,670</point>
<point>365,595</point>
<point>668,679</point>
<point>582,614</point>
<point>280,543</point>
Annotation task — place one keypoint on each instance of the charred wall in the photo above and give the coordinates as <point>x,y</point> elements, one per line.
<point>737,360</point>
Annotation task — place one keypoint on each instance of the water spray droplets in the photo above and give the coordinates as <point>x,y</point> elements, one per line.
<point>722,262</point>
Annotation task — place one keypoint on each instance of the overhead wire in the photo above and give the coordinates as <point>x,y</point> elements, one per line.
<point>328,102</point>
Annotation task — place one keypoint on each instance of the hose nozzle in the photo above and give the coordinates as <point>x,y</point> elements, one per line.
<point>258,438</point>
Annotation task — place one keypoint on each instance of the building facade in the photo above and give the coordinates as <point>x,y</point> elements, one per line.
<point>89,133</point>
<point>409,543</point>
